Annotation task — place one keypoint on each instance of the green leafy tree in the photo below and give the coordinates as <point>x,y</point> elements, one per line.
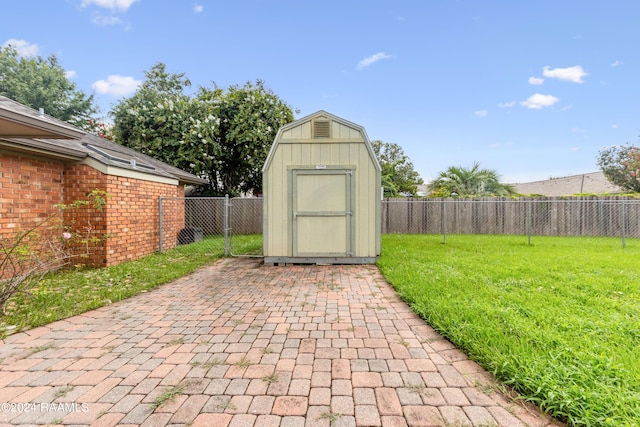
<point>398,175</point>
<point>222,135</point>
<point>248,118</point>
<point>621,165</point>
<point>158,120</point>
<point>465,182</point>
<point>42,83</point>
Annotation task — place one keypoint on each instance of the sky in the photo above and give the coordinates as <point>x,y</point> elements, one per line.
<point>532,90</point>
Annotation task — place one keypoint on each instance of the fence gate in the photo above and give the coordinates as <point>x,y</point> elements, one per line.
<point>211,223</point>
<point>187,220</point>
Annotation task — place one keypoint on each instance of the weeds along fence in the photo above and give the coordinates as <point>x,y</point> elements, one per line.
<point>614,217</point>
<point>213,224</point>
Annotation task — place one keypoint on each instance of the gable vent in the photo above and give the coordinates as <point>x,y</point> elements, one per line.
<point>321,129</point>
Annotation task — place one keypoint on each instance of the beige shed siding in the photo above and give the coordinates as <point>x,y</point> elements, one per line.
<point>340,131</point>
<point>366,198</point>
<point>295,147</point>
<point>302,133</point>
<point>298,132</point>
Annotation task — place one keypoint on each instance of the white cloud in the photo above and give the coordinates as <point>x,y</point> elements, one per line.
<point>614,126</point>
<point>481,113</point>
<point>535,80</point>
<point>572,74</point>
<point>120,5</point>
<point>507,104</point>
<point>116,85</point>
<point>198,8</point>
<point>23,47</point>
<point>106,21</point>
<point>373,58</point>
<point>538,101</point>
<point>617,63</point>
<point>70,74</point>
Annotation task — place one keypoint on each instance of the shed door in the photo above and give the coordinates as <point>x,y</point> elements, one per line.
<point>321,203</point>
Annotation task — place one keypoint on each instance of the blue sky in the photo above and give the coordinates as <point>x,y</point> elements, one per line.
<point>532,90</point>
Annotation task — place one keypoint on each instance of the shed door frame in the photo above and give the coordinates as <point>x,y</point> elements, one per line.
<point>349,202</point>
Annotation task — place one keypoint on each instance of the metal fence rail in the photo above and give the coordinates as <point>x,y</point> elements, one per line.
<point>232,226</point>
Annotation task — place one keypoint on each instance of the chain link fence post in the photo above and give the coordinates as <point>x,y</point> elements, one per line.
<point>227,207</point>
<point>529,221</point>
<point>160,228</point>
<point>624,225</point>
<point>444,221</point>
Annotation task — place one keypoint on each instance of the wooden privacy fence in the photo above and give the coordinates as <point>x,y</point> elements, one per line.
<point>210,217</point>
<point>602,216</point>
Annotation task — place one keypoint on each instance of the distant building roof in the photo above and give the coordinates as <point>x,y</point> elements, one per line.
<point>587,183</point>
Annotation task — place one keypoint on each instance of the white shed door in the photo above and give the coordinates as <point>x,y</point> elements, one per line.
<point>322,213</point>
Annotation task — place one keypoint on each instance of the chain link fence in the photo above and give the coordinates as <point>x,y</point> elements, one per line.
<point>223,226</point>
<point>194,224</point>
<point>219,226</point>
<point>617,218</point>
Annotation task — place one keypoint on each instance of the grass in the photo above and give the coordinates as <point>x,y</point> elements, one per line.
<point>68,293</point>
<point>270,379</point>
<point>558,321</point>
<point>168,395</point>
<point>243,363</point>
<point>333,417</point>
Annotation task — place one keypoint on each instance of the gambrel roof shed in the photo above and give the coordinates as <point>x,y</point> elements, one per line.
<point>322,194</point>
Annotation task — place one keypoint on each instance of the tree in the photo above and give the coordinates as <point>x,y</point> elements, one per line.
<point>248,119</point>
<point>621,166</point>
<point>42,83</point>
<point>222,135</point>
<point>474,181</point>
<point>398,175</point>
<point>158,119</point>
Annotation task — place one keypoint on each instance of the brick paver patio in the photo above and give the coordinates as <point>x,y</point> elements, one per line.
<point>240,344</point>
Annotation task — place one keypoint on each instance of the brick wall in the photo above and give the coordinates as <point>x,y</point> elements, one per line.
<point>79,181</point>
<point>30,188</point>
<point>130,217</point>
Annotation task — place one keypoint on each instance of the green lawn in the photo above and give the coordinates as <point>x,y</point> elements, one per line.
<point>558,321</point>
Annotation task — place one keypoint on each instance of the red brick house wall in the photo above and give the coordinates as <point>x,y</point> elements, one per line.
<point>132,216</point>
<point>29,189</point>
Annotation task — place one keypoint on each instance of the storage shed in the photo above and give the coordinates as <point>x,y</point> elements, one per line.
<point>322,194</point>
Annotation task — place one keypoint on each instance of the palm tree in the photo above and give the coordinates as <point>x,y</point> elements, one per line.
<point>474,181</point>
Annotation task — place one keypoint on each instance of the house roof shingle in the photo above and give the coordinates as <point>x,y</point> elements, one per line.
<point>26,130</point>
